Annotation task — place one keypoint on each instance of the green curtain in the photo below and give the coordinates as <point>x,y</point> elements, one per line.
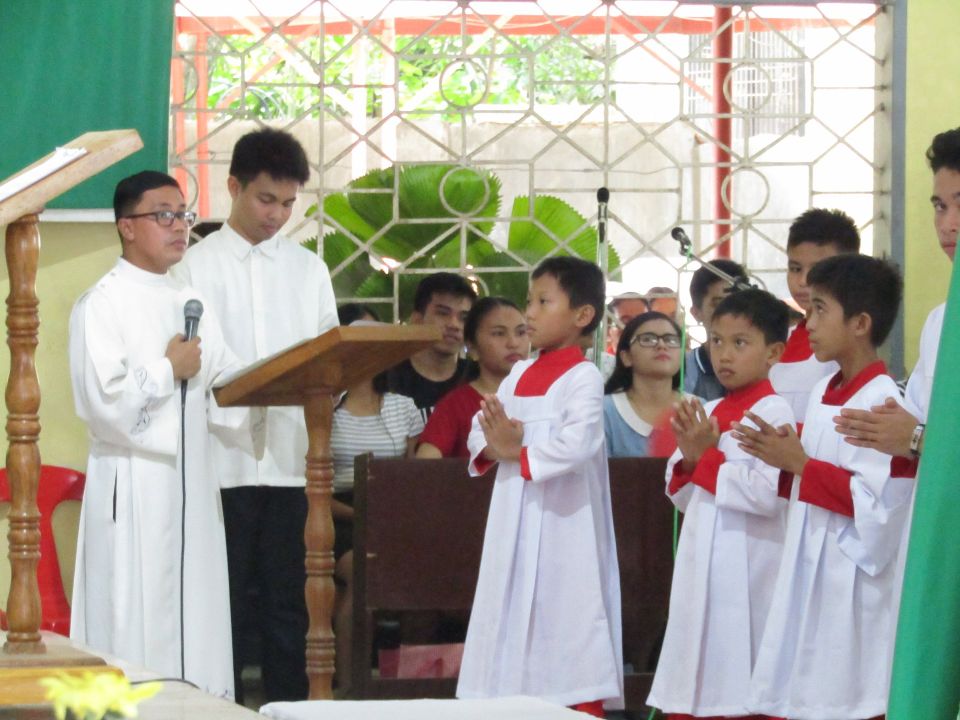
<point>72,66</point>
<point>926,666</point>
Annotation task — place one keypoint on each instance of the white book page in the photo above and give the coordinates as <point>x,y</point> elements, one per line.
<point>61,157</point>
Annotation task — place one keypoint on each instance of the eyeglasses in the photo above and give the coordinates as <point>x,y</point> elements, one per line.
<point>165,218</point>
<point>649,340</point>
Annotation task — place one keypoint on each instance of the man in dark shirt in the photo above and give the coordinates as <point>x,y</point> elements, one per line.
<point>442,299</point>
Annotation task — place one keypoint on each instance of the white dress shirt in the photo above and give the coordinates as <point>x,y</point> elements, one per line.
<point>268,297</point>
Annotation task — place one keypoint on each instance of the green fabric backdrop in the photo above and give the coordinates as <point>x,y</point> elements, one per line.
<point>926,664</point>
<point>71,66</point>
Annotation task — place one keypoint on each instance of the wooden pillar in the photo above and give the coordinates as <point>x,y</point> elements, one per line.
<point>318,537</point>
<point>23,431</point>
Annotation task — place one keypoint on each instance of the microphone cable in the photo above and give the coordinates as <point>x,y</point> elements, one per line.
<point>183,525</point>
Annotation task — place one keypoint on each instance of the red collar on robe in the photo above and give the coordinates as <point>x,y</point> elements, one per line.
<point>736,403</point>
<point>546,370</point>
<point>798,344</point>
<point>835,395</point>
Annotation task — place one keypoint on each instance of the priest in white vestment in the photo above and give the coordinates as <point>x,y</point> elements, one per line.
<point>140,533</point>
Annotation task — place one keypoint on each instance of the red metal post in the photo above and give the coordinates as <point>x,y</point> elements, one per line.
<point>722,54</point>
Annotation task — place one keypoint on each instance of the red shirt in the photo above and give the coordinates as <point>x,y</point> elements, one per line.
<point>449,423</point>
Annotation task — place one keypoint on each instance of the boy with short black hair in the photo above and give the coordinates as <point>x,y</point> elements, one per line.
<point>829,638</point>
<point>442,299</point>
<point>734,519</point>
<point>813,236</point>
<point>270,293</point>
<point>546,616</point>
<point>151,574</point>
<point>707,289</point>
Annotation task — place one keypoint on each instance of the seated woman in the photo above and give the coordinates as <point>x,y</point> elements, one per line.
<point>496,335</point>
<point>367,419</point>
<point>643,388</point>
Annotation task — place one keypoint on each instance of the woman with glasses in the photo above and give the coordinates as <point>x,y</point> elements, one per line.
<point>643,388</point>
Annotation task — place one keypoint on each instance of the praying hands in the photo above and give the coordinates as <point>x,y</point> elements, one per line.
<point>779,447</point>
<point>696,432</point>
<point>504,435</point>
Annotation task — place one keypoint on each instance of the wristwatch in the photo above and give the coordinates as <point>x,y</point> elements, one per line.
<point>916,439</point>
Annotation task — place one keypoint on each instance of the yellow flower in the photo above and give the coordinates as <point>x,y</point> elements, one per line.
<point>94,696</point>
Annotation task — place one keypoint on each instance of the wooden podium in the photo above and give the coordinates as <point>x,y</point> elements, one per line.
<point>311,374</point>
<point>24,653</point>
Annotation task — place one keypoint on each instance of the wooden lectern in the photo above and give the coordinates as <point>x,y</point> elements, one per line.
<point>311,374</point>
<point>24,648</point>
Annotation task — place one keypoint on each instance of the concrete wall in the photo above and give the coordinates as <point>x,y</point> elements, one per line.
<point>933,105</point>
<point>73,256</point>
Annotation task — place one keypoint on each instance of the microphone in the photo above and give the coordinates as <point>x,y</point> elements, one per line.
<point>192,310</point>
<point>603,197</point>
<point>681,237</point>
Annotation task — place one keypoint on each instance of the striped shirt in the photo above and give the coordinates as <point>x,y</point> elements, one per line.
<point>385,435</point>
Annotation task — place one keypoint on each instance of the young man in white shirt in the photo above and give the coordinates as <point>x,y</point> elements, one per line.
<point>270,293</point>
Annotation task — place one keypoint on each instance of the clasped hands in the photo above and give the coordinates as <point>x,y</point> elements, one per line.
<point>778,447</point>
<point>504,435</point>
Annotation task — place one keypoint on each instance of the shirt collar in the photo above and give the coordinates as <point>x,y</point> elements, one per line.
<point>546,369</point>
<point>736,402</point>
<point>839,395</point>
<point>702,356</point>
<point>242,248</point>
<point>126,269</point>
<point>798,344</point>
<point>636,423</point>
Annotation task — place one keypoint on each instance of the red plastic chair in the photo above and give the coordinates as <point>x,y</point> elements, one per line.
<point>56,485</point>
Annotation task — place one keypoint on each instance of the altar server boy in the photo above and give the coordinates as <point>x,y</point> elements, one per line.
<point>826,648</point>
<point>815,235</point>
<point>546,616</point>
<point>151,574</point>
<point>734,519</point>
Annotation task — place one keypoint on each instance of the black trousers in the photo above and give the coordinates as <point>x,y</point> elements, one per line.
<point>264,530</point>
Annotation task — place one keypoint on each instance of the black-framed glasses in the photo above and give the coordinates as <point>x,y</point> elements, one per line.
<point>165,218</point>
<point>649,340</point>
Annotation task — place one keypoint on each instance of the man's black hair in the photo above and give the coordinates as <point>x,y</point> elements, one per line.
<point>130,190</point>
<point>581,280</point>
<point>441,283</point>
<point>349,312</point>
<point>944,151</point>
<point>621,379</point>
<point>481,308</point>
<point>703,279</point>
<point>274,152</point>
<point>825,227</point>
<point>765,312</point>
<point>861,284</point>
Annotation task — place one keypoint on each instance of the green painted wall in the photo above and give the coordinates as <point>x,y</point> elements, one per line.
<point>933,105</point>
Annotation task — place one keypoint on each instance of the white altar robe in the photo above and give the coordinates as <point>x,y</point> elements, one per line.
<point>826,649</point>
<point>126,595</point>
<point>546,615</point>
<point>920,385</point>
<point>724,572</point>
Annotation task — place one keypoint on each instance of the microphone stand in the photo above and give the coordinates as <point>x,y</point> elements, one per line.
<point>686,249</point>
<point>603,262</point>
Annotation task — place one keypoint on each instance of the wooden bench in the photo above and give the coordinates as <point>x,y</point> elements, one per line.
<point>418,537</point>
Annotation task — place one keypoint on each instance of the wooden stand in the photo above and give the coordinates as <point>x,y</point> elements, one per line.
<point>310,374</point>
<point>24,646</point>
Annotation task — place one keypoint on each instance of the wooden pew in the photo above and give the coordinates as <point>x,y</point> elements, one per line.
<point>418,537</point>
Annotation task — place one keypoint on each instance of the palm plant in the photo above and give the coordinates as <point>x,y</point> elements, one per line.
<point>441,216</point>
